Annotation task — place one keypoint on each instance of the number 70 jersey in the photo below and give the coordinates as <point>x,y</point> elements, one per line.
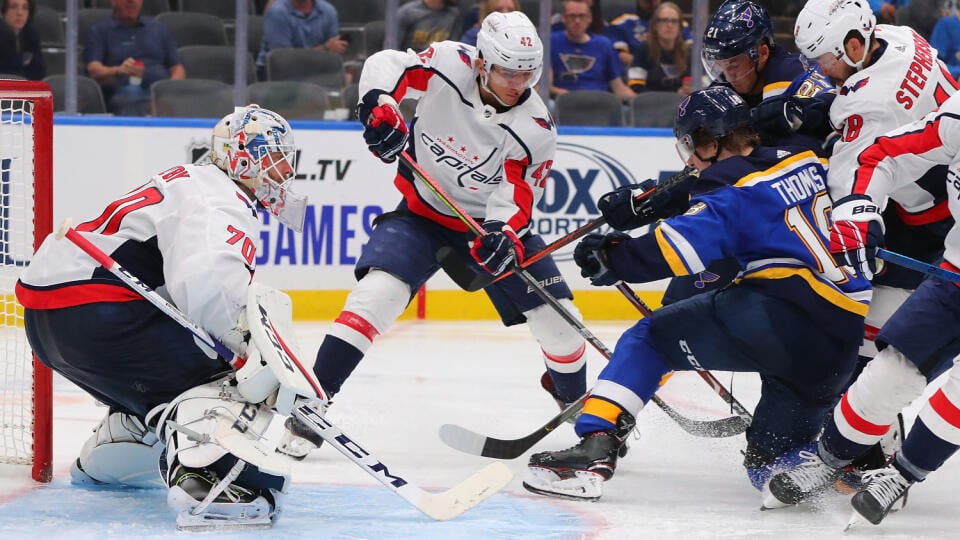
<point>189,232</point>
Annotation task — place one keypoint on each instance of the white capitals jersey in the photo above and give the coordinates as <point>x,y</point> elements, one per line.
<point>494,164</point>
<point>901,86</point>
<point>189,233</point>
<point>902,154</point>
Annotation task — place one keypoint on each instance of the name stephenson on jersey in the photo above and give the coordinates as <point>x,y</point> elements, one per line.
<point>903,82</point>
<point>493,163</point>
<point>188,232</point>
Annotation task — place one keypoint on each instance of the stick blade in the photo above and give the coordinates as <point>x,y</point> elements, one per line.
<point>462,439</point>
<point>467,494</point>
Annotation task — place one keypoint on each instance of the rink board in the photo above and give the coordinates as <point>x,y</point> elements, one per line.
<point>97,159</point>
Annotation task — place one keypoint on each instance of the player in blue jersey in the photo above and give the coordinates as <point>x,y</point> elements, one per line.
<point>794,317</point>
<point>790,104</point>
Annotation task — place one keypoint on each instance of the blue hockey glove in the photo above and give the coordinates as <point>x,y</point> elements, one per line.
<point>590,255</point>
<point>777,116</point>
<point>856,234</point>
<point>385,130</point>
<point>623,211</point>
<point>498,249</point>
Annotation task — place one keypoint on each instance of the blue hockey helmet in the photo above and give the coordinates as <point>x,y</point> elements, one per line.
<point>738,27</point>
<point>716,110</point>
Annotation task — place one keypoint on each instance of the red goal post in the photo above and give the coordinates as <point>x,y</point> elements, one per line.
<point>26,218</point>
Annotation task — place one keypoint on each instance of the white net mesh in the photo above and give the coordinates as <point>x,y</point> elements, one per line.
<point>16,247</point>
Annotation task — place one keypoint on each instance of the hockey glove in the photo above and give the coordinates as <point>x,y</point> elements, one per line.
<point>777,116</point>
<point>591,256</point>
<point>856,234</point>
<point>498,249</point>
<point>385,130</point>
<point>623,211</point>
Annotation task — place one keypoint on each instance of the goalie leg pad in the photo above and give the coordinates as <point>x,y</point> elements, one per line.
<point>121,451</point>
<point>207,429</point>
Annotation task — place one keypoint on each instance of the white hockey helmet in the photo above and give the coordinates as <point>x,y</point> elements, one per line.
<point>510,40</point>
<point>823,26</point>
<point>250,143</point>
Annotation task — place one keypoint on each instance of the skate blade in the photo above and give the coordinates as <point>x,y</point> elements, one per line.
<point>769,501</point>
<point>192,523</point>
<point>583,486</point>
<point>855,520</point>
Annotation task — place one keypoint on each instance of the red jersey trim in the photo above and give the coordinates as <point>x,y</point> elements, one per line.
<point>913,142</point>
<point>73,295</point>
<point>939,212</point>
<point>416,205</point>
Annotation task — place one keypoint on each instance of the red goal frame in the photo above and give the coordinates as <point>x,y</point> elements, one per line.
<point>40,94</point>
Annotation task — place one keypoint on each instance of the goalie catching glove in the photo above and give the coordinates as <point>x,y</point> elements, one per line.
<point>856,234</point>
<point>591,256</point>
<point>498,249</point>
<point>625,209</point>
<point>385,130</point>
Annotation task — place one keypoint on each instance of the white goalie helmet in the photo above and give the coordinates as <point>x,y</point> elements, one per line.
<point>823,27</point>
<point>510,40</point>
<point>255,148</point>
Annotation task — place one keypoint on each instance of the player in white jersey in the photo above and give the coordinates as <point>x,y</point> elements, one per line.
<point>486,138</point>
<point>188,233</point>
<point>922,337</point>
<point>887,76</point>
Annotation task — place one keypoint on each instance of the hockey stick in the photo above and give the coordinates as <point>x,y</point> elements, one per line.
<point>919,266</point>
<point>705,374</point>
<point>468,279</point>
<point>713,428</point>
<point>439,506</point>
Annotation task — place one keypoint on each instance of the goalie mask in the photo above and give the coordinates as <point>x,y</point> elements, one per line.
<point>510,42</point>
<point>255,148</point>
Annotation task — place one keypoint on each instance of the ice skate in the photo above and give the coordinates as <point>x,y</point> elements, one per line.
<point>886,490</point>
<point>202,503</point>
<point>298,440</point>
<point>809,479</point>
<point>546,382</point>
<point>578,472</point>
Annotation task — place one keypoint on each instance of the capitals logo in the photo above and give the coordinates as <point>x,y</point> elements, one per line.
<point>854,87</point>
<point>546,123</point>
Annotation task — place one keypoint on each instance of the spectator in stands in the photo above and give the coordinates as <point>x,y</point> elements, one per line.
<point>886,10</point>
<point>299,24</point>
<point>598,24</point>
<point>126,54</point>
<point>422,22</point>
<point>487,7</point>
<point>19,42</point>
<point>629,30</point>
<point>580,60</point>
<point>946,39</point>
<point>662,61</point>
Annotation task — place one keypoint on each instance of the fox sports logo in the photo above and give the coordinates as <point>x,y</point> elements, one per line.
<point>580,175</point>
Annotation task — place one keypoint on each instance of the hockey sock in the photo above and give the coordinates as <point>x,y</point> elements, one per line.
<point>570,386</point>
<point>336,360</point>
<point>598,415</point>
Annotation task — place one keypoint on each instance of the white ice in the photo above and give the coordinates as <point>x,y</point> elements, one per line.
<point>483,376</point>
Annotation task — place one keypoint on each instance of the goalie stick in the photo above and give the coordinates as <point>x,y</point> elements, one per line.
<point>467,278</point>
<point>466,441</point>
<point>439,506</point>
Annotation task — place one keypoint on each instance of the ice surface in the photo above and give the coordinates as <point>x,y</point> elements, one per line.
<point>485,377</point>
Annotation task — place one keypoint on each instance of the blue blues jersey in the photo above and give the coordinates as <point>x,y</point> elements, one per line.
<point>628,30</point>
<point>769,211</point>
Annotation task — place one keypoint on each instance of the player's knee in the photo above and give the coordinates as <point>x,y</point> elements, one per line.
<point>379,298</point>
<point>887,384</point>
<point>121,451</point>
<point>560,342</point>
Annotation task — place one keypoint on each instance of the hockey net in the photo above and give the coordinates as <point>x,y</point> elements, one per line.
<point>26,201</point>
